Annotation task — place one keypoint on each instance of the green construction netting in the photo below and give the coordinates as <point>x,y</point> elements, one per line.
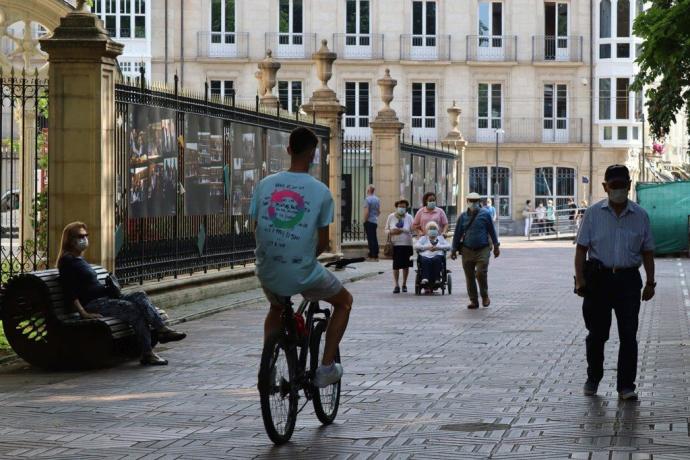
<point>668,206</point>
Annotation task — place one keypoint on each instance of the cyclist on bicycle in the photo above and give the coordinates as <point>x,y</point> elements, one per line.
<point>291,212</point>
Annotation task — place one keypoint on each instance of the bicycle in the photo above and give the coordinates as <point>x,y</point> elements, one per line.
<point>283,371</point>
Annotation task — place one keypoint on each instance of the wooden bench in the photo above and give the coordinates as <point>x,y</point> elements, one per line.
<point>47,333</point>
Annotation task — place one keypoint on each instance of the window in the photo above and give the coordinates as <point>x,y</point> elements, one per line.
<point>556,30</point>
<point>489,106</point>
<point>554,183</point>
<point>423,105</point>
<point>290,95</point>
<point>555,106</point>
<point>222,89</point>
<point>623,18</point>
<point>290,22</point>
<point>604,98</point>
<point>605,28</point>
<point>131,69</point>
<point>622,106</point>
<point>123,18</point>
<point>424,23</point>
<point>490,24</point>
<point>223,21</point>
<point>499,185</point>
<point>357,23</point>
<point>622,133</point>
<point>356,104</point>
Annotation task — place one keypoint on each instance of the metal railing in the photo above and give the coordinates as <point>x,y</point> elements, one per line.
<point>227,45</point>
<point>291,46</point>
<point>557,49</point>
<point>557,224</point>
<point>23,174</point>
<point>497,48</point>
<point>357,174</point>
<point>424,47</point>
<point>523,130</point>
<point>358,46</point>
<point>185,171</point>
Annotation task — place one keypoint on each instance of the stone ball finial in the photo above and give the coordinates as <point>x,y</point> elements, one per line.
<point>324,43</point>
<point>269,54</point>
<point>81,6</point>
<point>387,73</point>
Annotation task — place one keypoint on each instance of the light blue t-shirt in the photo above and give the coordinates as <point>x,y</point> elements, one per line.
<point>373,203</point>
<point>289,208</point>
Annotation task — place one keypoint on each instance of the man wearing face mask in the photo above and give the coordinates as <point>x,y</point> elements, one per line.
<point>473,234</point>
<point>616,235</point>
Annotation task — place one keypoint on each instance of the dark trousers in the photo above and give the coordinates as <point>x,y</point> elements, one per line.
<point>372,240</point>
<point>618,292</point>
<point>430,267</point>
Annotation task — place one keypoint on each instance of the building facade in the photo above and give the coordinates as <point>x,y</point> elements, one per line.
<point>519,70</point>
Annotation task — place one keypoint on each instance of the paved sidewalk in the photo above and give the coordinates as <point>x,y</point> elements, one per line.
<point>425,378</point>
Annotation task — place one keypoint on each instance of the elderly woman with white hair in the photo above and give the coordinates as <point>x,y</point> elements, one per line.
<point>432,248</point>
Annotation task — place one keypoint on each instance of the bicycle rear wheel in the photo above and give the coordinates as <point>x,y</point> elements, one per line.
<point>326,400</point>
<point>278,389</point>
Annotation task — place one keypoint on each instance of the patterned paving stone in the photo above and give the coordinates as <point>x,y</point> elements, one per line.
<point>425,378</point>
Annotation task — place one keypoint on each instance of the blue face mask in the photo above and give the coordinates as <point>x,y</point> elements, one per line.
<point>431,205</point>
<point>433,233</point>
<point>402,211</point>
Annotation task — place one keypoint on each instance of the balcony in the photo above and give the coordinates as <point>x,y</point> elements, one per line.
<point>425,47</point>
<point>491,48</point>
<point>523,130</point>
<point>223,45</point>
<point>358,46</point>
<point>557,49</point>
<point>291,46</point>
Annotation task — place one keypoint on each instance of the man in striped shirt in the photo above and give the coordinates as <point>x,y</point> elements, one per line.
<point>616,235</point>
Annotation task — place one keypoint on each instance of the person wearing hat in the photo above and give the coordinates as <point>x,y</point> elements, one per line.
<point>613,241</point>
<point>399,230</point>
<point>472,233</point>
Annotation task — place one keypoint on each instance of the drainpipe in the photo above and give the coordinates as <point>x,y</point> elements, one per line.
<point>591,99</point>
<point>166,42</point>
<point>182,43</point>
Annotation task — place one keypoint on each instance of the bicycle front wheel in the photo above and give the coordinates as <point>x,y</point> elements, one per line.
<point>277,389</point>
<point>327,399</point>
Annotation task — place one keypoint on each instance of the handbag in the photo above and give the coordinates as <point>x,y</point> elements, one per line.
<point>388,248</point>
<point>113,286</point>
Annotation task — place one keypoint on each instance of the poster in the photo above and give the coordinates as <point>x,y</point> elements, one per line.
<point>247,165</point>
<point>203,165</point>
<point>152,148</point>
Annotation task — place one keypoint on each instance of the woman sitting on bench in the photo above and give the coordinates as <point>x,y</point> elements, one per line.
<point>94,300</point>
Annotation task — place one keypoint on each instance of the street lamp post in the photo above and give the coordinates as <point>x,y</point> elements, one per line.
<point>499,131</point>
<point>643,168</point>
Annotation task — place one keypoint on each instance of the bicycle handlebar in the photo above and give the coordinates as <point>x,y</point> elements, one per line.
<point>342,263</point>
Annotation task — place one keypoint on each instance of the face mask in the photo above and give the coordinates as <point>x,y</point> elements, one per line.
<point>433,233</point>
<point>82,243</point>
<point>431,205</point>
<point>474,206</point>
<point>401,211</point>
<point>618,195</point>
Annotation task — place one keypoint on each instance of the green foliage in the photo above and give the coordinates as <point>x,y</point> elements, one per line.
<point>664,61</point>
<point>3,340</point>
<point>43,105</point>
<point>34,328</point>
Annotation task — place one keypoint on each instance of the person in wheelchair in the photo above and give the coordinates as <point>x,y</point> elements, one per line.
<point>432,249</point>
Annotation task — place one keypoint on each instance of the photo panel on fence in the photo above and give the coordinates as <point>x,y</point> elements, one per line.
<point>204,180</point>
<point>152,145</point>
<point>277,157</point>
<point>246,165</point>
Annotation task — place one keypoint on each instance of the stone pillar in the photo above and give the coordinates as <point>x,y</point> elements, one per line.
<point>385,152</point>
<point>455,140</point>
<point>81,164</point>
<point>268,69</point>
<point>325,106</point>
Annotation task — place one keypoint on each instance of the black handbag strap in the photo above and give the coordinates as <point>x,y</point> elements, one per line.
<point>467,228</point>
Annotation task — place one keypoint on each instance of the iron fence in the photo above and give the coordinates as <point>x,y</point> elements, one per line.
<point>426,168</point>
<point>23,174</point>
<point>186,168</point>
<point>357,174</point>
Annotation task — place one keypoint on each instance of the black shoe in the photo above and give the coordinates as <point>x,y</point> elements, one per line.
<point>473,306</point>
<point>627,395</point>
<point>590,388</point>
<point>170,336</point>
<point>153,360</point>
<point>396,290</point>
<point>404,288</point>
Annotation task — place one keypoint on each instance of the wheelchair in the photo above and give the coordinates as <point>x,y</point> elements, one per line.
<point>444,284</point>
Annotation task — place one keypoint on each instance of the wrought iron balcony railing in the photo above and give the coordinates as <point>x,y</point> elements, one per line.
<point>291,46</point>
<point>496,48</point>
<point>557,49</point>
<point>358,46</point>
<point>425,47</point>
<point>523,130</point>
<point>227,45</point>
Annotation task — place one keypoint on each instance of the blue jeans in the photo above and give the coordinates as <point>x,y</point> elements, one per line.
<point>372,239</point>
<point>136,310</point>
<point>430,267</point>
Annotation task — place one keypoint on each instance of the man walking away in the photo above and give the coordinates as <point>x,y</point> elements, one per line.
<point>471,239</point>
<point>372,209</point>
<point>616,235</point>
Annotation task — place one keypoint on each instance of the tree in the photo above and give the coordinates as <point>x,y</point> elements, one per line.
<point>664,62</point>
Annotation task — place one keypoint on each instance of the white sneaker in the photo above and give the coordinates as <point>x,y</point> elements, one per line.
<point>327,375</point>
<point>424,281</point>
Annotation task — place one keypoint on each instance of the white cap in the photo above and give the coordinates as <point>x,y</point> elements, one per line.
<point>473,196</point>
